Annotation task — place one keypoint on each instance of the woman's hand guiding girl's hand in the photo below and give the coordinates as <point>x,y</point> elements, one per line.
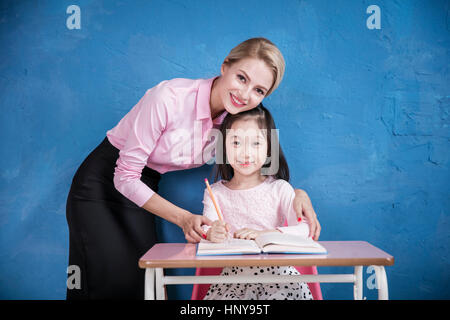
<point>192,226</point>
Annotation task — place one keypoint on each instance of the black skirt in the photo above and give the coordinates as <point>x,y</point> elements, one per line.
<point>108,233</point>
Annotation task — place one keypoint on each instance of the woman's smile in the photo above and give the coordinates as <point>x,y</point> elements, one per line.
<point>236,102</point>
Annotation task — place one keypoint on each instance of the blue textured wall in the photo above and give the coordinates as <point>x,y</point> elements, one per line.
<point>363,117</point>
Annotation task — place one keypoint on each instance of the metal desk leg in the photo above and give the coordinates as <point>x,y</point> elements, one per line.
<point>149,284</point>
<point>380,275</point>
<point>160,290</point>
<point>358,284</point>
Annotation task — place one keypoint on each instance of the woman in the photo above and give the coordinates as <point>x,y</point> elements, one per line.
<point>113,200</point>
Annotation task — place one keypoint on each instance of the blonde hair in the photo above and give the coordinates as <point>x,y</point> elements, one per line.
<point>260,48</point>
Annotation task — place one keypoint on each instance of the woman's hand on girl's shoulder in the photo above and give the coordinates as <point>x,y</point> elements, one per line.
<point>304,209</point>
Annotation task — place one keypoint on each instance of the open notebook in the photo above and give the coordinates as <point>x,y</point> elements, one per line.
<point>274,242</point>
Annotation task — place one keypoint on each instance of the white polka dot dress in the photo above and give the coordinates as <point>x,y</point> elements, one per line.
<point>259,291</point>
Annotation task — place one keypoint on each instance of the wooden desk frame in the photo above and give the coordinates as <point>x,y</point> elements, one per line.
<point>340,253</point>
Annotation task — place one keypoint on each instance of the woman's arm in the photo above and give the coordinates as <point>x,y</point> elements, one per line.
<point>149,119</point>
<point>303,207</point>
<point>190,223</point>
<point>146,122</point>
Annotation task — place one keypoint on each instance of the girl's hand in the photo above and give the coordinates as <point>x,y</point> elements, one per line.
<point>304,209</point>
<point>248,234</point>
<point>218,231</point>
<point>191,225</point>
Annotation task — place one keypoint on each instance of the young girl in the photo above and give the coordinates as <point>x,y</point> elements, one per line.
<point>253,203</point>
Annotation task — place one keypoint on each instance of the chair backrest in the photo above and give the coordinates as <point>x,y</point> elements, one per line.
<point>199,290</point>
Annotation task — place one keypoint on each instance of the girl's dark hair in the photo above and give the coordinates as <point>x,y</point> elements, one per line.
<point>265,121</point>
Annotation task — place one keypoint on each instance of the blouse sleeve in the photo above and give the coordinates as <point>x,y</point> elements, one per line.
<point>287,196</point>
<point>150,120</point>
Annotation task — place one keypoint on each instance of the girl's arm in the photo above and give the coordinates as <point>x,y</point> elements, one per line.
<point>218,230</point>
<point>209,210</point>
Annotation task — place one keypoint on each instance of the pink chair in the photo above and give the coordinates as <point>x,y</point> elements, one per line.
<point>200,290</point>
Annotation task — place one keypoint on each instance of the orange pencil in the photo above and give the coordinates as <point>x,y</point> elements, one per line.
<point>219,213</point>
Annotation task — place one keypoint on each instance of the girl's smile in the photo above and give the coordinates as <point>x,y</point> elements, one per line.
<point>245,164</point>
